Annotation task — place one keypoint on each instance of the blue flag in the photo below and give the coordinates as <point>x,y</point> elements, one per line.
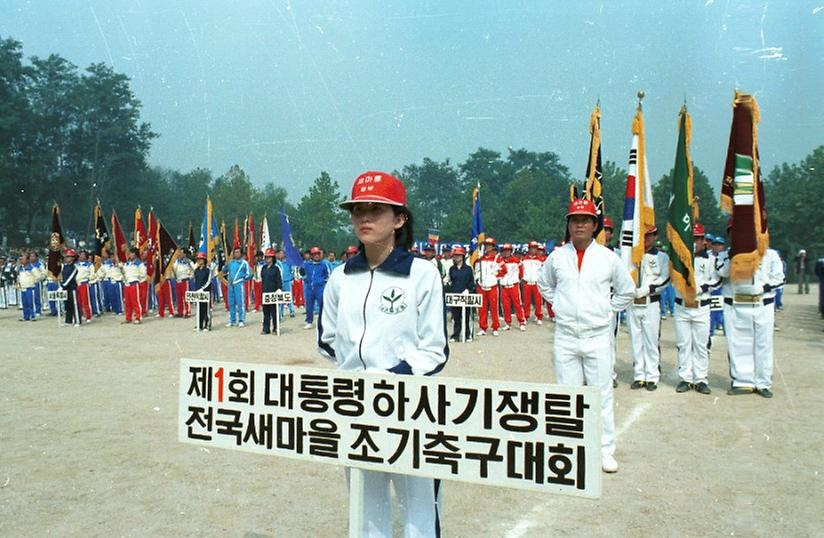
<point>292,254</point>
<point>478,235</point>
<point>209,236</point>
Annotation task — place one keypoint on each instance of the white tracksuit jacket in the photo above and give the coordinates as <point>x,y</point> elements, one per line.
<point>587,307</point>
<point>390,318</point>
<point>769,273</point>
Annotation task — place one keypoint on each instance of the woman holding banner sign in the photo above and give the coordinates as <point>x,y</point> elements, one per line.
<point>270,281</point>
<point>391,318</point>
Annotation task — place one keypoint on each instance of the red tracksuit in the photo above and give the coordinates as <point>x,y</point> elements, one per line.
<point>164,299</point>
<point>532,268</point>
<point>488,270</point>
<point>510,289</point>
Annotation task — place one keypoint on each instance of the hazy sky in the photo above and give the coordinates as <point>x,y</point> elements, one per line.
<point>287,89</point>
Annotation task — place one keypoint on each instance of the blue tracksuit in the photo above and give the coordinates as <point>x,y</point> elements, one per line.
<point>237,272</point>
<point>286,275</point>
<point>27,295</point>
<point>51,285</point>
<point>38,296</point>
<point>315,275</point>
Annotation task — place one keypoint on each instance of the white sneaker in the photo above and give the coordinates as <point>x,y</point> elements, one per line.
<point>452,340</point>
<point>230,324</point>
<point>307,326</point>
<point>522,327</point>
<point>241,324</point>
<point>608,464</point>
<point>494,333</point>
<point>540,322</point>
<point>468,340</point>
<point>506,327</point>
<point>481,333</point>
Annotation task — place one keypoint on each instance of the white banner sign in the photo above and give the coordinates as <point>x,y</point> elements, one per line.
<point>471,300</point>
<point>57,295</point>
<point>499,433</point>
<point>197,296</point>
<point>277,297</point>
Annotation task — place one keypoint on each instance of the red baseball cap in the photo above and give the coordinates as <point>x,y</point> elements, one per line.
<point>651,230</point>
<point>70,252</point>
<point>533,244</point>
<point>458,251</point>
<point>351,249</point>
<point>201,255</point>
<point>269,252</point>
<point>698,230</point>
<point>376,187</point>
<point>581,206</point>
<point>489,241</point>
<point>506,246</point>
<point>608,223</point>
<point>314,250</point>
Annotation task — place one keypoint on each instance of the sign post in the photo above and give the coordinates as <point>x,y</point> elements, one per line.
<point>197,297</point>
<point>464,301</point>
<point>277,298</point>
<point>58,296</point>
<point>529,436</point>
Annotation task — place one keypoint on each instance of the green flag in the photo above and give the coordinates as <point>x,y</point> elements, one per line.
<point>679,224</point>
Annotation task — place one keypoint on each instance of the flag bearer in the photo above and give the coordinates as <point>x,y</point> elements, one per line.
<point>645,314</point>
<point>692,321</point>
<point>749,322</point>
<point>586,284</point>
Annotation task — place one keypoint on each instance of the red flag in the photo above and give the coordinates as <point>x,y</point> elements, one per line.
<point>152,243</point>
<point>236,240</point>
<point>251,241</point>
<point>121,247</point>
<point>141,238</point>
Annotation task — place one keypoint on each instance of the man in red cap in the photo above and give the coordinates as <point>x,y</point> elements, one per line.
<point>270,280</point>
<point>577,279</point>
<point>645,314</point>
<point>510,287</point>
<point>461,279</point>
<point>692,321</point>
<point>315,273</point>
<point>608,232</point>
<point>532,264</point>
<point>489,269</point>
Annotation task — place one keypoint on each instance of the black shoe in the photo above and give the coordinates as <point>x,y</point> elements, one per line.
<point>738,391</point>
<point>683,386</point>
<point>703,388</point>
<point>264,332</point>
<point>637,384</point>
<point>651,386</point>
<point>766,393</point>
<point>615,383</point>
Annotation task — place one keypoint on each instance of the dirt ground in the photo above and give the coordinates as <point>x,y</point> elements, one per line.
<point>88,441</point>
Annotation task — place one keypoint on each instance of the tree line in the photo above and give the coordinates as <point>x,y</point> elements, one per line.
<point>75,136</point>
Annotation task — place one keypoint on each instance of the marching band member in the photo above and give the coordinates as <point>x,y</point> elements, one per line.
<point>645,314</point>
<point>488,270</point>
<point>510,287</point>
<point>577,280</point>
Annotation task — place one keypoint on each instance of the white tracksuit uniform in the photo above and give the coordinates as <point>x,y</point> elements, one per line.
<point>583,315</point>
<point>749,318</point>
<point>645,316</point>
<point>389,318</point>
<point>692,323</point>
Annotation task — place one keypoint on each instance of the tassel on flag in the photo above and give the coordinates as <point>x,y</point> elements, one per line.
<point>102,240</point>
<point>236,238</point>
<point>56,245</point>
<point>681,212</point>
<point>742,194</point>
<point>192,246</point>
<point>639,215</point>
<point>121,247</point>
<point>478,234</point>
<point>594,183</point>
<point>251,243</point>
<point>151,244</point>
